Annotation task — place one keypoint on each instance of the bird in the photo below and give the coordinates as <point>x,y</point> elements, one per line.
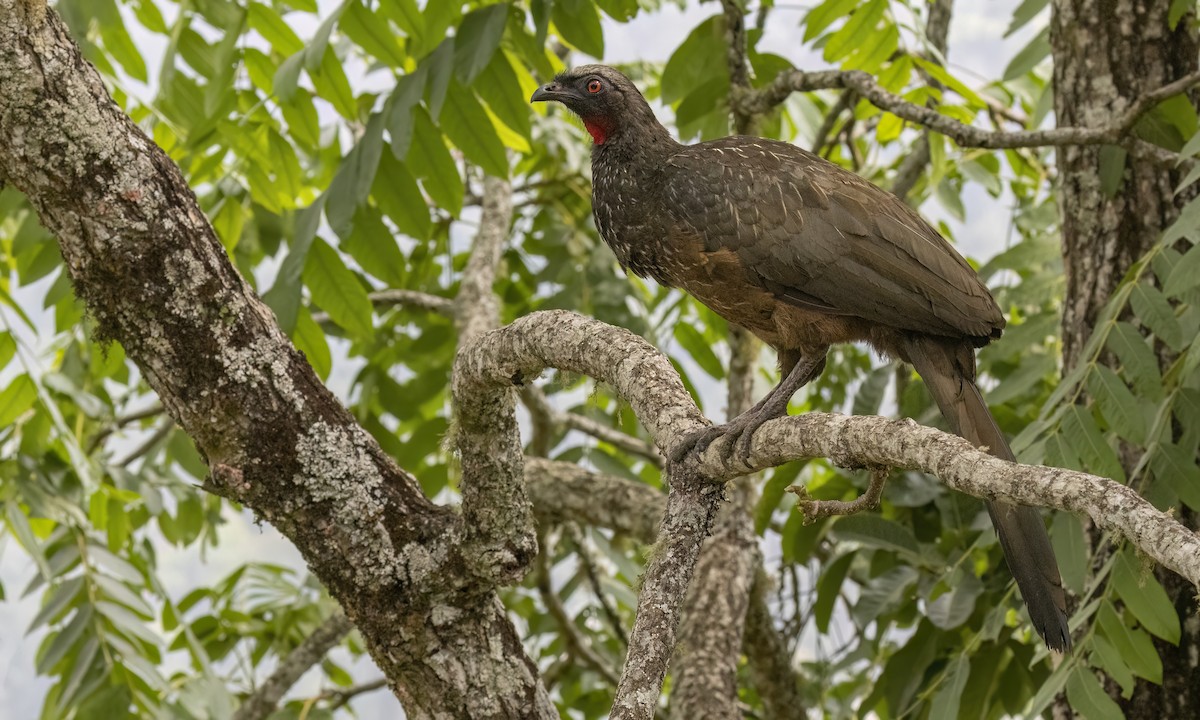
<point>805,255</point>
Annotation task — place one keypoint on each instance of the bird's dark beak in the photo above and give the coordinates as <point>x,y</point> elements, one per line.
<point>550,91</point>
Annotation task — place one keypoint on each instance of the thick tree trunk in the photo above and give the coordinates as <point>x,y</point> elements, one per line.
<point>1106,53</point>
<point>155,277</point>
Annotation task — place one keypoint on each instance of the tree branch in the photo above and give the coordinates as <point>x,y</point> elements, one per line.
<point>536,401</point>
<point>645,378</point>
<point>260,704</point>
<point>409,298</point>
<point>476,308</point>
<point>814,510</point>
<point>155,277</point>
<point>1115,133</point>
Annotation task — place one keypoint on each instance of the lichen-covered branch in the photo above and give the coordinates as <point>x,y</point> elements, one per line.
<point>155,277</point>
<point>1114,133</point>
<point>263,701</point>
<point>768,658</point>
<point>476,307</point>
<point>645,378</point>
<point>691,506</point>
<point>564,492</point>
<point>415,299</point>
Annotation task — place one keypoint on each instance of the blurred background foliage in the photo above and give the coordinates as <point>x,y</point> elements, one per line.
<point>338,148</point>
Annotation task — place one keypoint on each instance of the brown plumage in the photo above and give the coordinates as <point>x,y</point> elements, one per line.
<point>803,254</point>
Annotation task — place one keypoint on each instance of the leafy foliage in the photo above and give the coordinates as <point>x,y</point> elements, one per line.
<point>337,149</point>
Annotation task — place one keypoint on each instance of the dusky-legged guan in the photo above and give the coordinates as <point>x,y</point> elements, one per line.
<point>803,254</point>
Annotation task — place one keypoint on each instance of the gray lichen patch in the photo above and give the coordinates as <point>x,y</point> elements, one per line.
<point>336,467</point>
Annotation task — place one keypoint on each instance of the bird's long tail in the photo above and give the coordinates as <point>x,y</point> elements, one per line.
<point>948,370</point>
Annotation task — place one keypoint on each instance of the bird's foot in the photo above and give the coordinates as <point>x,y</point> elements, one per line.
<point>738,433</point>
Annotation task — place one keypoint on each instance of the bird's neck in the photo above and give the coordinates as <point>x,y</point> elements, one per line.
<point>636,139</point>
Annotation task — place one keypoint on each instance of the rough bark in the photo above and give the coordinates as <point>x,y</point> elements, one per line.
<point>1106,52</point>
<point>645,378</point>
<point>155,277</point>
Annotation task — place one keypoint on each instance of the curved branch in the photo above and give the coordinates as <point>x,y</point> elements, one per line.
<point>645,378</point>
<point>263,701</point>
<point>1115,133</point>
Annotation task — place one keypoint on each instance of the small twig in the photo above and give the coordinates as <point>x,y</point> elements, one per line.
<point>263,701</point>
<point>338,698</point>
<point>120,422</point>
<point>814,510</point>
<point>539,405</point>
<point>844,102</point>
<point>577,646</point>
<point>162,431</point>
<point>413,299</point>
<point>589,569</point>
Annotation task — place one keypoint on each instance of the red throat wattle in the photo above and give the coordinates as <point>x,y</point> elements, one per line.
<point>598,129</point>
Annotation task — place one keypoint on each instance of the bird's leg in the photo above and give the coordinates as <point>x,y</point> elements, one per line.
<point>740,430</point>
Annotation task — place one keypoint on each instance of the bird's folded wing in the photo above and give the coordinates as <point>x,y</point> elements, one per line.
<point>823,238</point>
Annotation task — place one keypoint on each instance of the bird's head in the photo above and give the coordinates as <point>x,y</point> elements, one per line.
<point>607,102</point>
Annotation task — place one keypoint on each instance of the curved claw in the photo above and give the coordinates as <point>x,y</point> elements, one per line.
<point>696,442</point>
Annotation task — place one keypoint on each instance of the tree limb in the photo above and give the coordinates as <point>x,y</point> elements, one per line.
<point>155,277</point>
<point>645,378</point>
<point>1115,133</point>
<point>536,401</point>
<point>263,701</point>
<point>409,298</point>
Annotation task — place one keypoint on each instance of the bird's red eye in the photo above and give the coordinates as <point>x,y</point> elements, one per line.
<point>594,86</point>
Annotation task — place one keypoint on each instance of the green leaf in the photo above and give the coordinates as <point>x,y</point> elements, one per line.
<point>1088,698</point>
<point>885,593</point>
<point>373,247</point>
<point>399,109</point>
<point>439,68</point>
<point>699,60</point>
<point>829,588</point>
<point>1185,274</point>
<point>57,601</point>
<point>271,26</point>
<point>1145,598</point>
<point>946,702</point>
<point>430,161</point>
<point>1137,360</point>
<point>64,640</point>
<point>1070,547</point>
<point>578,24</point>
<point>1029,56</point>
<point>398,196</point>
<point>1134,645</point>
<point>118,567</point>
<point>284,295</point>
<point>1120,409</point>
<point>17,398</point>
<point>952,608</point>
<point>1156,313</point>
<point>1108,659</point>
<point>1112,169</point>
<point>692,341</point>
<point>331,84</point>
<point>477,39</point>
<point>8,349</point>
<point>372,33</point>
<point>337,290</point>
<point>310,340</point>
<point>352,183</point>
<point>856,32</point>
<point>823,15</point>
<point>870,394</point>
<point>1080,429</point>
<point>287,76</point>
<point>875,531</point>
<point>470,129</point>
<point>406,14</point>
<point>499,87</point>
<point>1176,467</point>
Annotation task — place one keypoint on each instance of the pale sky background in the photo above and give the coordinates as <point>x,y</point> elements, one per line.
<point>977,51</point>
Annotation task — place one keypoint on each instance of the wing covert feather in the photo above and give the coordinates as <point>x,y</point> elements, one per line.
<point>822,238</point>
